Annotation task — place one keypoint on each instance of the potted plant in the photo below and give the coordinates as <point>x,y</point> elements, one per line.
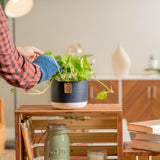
<point>69,87</point>
<point>153,62</point>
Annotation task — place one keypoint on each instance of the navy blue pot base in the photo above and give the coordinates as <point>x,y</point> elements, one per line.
<point>69,95</point>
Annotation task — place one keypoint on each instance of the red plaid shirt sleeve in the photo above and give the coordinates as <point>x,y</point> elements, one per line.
<point>14,67</point>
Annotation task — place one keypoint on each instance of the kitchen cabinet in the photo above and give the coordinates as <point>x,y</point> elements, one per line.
<point>141,100</point>
<point>94,88</point>
<point>156,99</point>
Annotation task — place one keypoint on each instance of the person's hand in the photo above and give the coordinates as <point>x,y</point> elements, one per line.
<point>30,52</point>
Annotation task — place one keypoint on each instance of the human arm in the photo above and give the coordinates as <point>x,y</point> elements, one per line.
<point>14,67</point>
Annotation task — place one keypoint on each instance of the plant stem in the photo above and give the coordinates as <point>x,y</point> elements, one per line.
<point>103,85</point>
<point>58,68</point>
<point>36,91</point>
<point>110,90</point>
<point>67,75</point>
<point>75,78</point>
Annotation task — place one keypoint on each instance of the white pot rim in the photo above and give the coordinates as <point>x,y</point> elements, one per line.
<point>76,105</point>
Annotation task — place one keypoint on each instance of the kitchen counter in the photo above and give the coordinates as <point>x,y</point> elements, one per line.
<point>130,77</point>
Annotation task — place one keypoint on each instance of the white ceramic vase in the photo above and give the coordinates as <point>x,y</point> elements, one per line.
<point>121,62</point>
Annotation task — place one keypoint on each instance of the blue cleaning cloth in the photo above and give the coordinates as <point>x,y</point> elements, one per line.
<point>47,66</point>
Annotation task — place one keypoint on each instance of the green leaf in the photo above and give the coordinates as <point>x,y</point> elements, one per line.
<point>86,74</point>
<point>66,58</point>
<point>13,90</point>
<point>111,89</point>
<point>75,64</point>
<point>58,58</point>
<point>48,53</point>
<point>87,55</point>
<point>91,64</point>
<point>102,95</point>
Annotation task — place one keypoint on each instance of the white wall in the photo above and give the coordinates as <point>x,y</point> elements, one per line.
<point>99,25</point>
<point>8,99</point>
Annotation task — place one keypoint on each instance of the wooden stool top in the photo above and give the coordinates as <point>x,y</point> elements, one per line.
<point>129,151</point>
<point>89,108</point>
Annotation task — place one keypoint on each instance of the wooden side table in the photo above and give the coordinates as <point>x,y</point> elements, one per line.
<point>93,117</point>
<point>137,154</point>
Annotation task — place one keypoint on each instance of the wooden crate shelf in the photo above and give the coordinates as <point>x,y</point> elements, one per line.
<point>86,132</point>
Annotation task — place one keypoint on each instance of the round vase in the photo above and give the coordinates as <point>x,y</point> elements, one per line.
<point>121,62</point>
<point>69,95</point>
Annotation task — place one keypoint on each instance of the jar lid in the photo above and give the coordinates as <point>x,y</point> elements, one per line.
<point>56,126</point>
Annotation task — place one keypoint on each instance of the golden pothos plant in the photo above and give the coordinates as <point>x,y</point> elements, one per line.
<point>74,68</point>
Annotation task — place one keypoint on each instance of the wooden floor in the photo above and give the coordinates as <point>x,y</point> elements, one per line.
<point>8,155</point>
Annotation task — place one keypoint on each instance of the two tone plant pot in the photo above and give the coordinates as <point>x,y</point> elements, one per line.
<point>69,95</point>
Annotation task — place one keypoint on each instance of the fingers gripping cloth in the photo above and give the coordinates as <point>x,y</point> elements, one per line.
<point>47,66</point>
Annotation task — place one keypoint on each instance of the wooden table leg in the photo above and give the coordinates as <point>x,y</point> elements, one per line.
<point>18,138</point>
<point>120,136</point>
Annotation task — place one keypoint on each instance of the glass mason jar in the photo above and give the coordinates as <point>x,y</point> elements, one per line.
<point>56,143</point>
